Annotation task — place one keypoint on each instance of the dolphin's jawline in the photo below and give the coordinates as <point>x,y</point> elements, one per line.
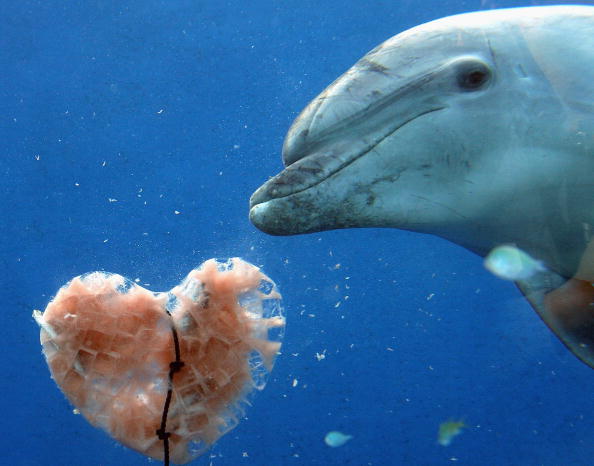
<point>314,172</point>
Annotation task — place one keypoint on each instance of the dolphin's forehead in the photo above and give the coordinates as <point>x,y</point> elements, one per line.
<point>484,33</point>
<point>495,22</point>
<point>555,41</point>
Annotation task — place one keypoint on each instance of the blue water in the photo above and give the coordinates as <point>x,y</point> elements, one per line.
<point>182,106</point>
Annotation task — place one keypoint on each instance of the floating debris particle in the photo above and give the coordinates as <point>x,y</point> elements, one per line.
<point>448,430</point>
<point>335,438</point>
<point>320,356</point>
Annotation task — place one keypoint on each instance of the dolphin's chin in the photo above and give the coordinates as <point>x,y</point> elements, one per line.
<point>273,205</point>
<point>263,217</point>
<point>298,214</point>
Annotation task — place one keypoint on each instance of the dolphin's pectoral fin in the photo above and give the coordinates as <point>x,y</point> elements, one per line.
<point>567,307</point>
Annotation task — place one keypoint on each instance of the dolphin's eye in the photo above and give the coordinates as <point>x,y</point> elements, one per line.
<point>472,75</point>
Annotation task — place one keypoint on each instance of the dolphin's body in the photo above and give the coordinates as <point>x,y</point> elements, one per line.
<point>478,128</point>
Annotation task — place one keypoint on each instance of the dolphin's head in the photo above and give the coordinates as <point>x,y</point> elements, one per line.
<point>440,126</point>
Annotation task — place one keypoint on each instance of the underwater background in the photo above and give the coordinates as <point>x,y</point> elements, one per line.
<point>132,134</point>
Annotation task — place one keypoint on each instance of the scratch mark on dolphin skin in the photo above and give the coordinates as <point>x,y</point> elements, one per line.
<point>371,197</point>
<point>369,65</point>
<point>491,51</point>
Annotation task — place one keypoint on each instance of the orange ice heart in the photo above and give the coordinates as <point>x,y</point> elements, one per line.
<point>116,350</point>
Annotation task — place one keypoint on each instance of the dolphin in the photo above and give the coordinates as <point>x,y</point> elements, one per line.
<point>478,128</point>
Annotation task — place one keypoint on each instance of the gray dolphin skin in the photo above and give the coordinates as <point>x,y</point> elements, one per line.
<point>478,128</point>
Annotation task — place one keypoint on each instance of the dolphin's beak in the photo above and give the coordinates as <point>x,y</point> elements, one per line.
<point>351,117</point>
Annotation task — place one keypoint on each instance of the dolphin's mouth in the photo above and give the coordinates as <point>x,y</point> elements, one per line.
<point>312,169</point>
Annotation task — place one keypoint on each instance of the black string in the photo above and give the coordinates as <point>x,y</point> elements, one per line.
<point>174,366</point>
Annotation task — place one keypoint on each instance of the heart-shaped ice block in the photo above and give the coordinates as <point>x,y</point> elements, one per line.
<point>116,349</point>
